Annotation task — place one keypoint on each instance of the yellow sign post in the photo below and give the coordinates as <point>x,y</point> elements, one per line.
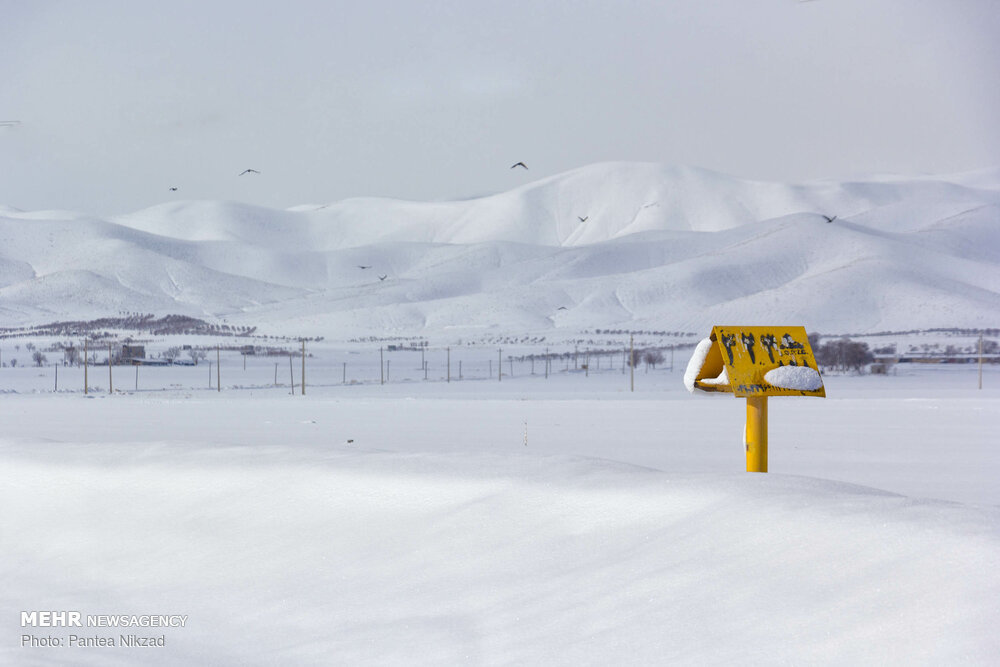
<point>754,363</point>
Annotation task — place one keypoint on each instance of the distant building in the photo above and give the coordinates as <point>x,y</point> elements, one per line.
<point>133,353</point>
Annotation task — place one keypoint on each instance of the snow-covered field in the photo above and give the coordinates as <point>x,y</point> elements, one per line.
<point>412,507</point>
<point>526,521</point>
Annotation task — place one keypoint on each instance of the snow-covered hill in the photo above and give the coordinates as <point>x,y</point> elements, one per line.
<point>608,245</point>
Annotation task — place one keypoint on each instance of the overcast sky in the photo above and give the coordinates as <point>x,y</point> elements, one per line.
<point>118,101</point>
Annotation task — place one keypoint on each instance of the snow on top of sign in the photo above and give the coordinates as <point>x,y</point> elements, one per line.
<point>798,378</point>
<point>722,378</point>
<point>697,361</point>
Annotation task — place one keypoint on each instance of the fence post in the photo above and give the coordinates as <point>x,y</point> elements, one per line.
<point>631,361</point>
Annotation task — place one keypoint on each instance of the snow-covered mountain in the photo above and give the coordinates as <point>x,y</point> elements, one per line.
<point>613,245</point>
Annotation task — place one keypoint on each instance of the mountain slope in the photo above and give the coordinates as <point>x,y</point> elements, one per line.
<point>609,245</point>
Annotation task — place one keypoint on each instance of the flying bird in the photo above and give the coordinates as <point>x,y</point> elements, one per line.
<point>361,266</point>
<point>249,171</point>
<point>583,219</point>
<point>828,218</point>
<point>383,277</point>
<point>173,189</point>
<point>519,164</point>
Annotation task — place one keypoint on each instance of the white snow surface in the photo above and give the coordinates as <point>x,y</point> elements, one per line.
<point>580,516</point>
<point>798,378</point>
<point>533,521</point>
<point>617,245</point>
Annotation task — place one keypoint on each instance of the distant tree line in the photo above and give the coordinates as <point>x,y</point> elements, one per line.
<point>157,326</point>
<point>843,354</point>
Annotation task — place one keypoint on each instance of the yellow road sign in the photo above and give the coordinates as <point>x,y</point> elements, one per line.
<point>760,361</point>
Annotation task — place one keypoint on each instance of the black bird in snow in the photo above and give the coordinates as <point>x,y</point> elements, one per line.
<point>518,164</point>
<point>249,171</point>
<point>828,218</point>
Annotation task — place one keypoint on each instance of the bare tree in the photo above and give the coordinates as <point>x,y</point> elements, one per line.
<point>653,357</point>
<point>844,354</point>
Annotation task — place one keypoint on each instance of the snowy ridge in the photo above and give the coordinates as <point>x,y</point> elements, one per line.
<point>608,245</point>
